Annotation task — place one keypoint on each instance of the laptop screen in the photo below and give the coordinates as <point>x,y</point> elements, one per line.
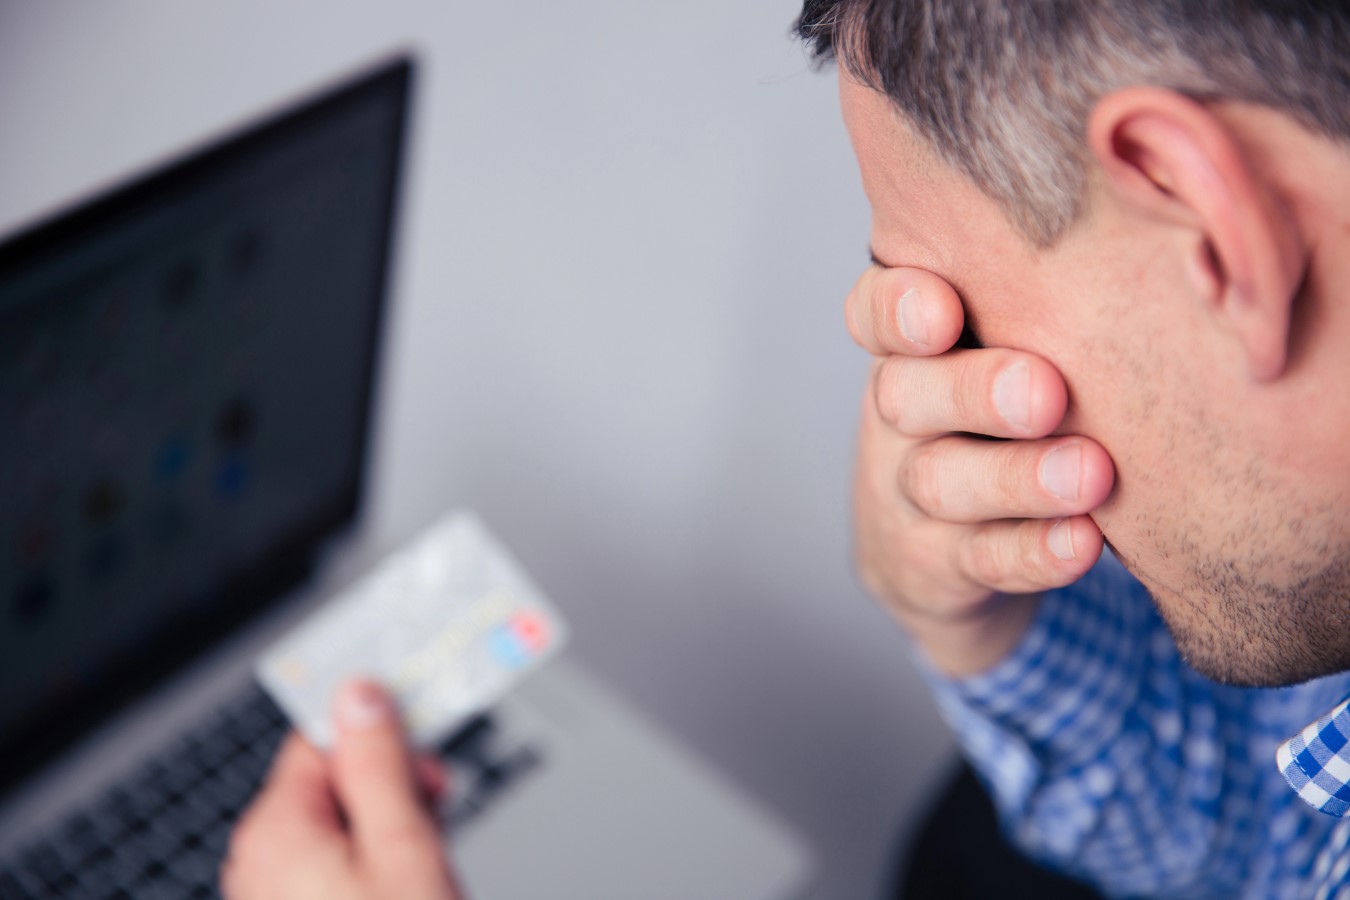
<point>186,374</point>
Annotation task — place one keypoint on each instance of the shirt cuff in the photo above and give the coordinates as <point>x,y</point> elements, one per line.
<point>1060,698</point>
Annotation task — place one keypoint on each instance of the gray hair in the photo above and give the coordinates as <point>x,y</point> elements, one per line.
<point>1003,89</point>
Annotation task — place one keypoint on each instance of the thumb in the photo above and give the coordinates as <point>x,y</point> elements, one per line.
<point>377,783</point>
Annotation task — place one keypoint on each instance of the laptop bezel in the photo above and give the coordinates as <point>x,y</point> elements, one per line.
<point>29,743</point>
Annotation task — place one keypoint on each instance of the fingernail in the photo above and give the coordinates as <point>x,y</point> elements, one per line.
<point>1060,471</point>
<point>913,324</point>
<point>1060,540</point>
<point>361,705</point>
<point>1012,395</point>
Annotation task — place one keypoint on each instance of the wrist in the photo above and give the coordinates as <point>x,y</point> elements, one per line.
<point>974,642</point>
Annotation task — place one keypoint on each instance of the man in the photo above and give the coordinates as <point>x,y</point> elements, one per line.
<point>1142,205</point>
<point>1148,198</point>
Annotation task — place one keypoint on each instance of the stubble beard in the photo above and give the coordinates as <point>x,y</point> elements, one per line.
<point>1239,628</point>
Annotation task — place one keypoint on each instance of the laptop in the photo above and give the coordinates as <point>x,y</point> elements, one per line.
<point>188,368</point>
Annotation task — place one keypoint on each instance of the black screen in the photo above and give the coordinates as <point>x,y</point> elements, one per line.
<point>186,370</point>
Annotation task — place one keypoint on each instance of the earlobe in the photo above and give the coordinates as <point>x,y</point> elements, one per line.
<point>1168,158</point>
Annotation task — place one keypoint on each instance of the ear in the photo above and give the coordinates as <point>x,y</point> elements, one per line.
<point>1170,158</point>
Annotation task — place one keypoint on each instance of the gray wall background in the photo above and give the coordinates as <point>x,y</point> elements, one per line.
<point>617,333</point>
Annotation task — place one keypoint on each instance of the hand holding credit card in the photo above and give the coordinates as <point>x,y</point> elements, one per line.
<point>448,625</point>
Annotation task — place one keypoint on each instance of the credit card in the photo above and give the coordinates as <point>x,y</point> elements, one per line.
<point>449,625</point>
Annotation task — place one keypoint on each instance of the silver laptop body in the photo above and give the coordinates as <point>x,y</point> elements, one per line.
<point>188,366</point>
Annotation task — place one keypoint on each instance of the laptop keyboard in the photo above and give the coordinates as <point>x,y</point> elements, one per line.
<point>161,833</point>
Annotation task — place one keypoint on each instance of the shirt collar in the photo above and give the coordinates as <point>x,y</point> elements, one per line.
<point>1316,762</point>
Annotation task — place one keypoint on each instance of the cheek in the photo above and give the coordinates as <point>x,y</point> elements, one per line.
<point>1114,399</point>
<point>1184,488</point>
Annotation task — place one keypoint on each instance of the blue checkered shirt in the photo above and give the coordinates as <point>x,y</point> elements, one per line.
<point>1111,759</point>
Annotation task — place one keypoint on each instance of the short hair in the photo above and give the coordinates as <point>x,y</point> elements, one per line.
<point>1003,89</point>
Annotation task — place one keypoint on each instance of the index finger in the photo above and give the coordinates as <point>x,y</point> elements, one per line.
<point>298,788</point>
<point>293,816</point>
<point>905,311</point>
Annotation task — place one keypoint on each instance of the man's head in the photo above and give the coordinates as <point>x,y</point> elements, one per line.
<point>1155,197</point>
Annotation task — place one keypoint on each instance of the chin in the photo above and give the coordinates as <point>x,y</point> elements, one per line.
<point>1278,622</point>
<point>1248,640</point>
<point>1236,665</point>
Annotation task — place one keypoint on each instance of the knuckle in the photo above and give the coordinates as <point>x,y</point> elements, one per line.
<point>922,482</point>
<point>1038,561</point>
<point>895,396</point>
<point>970,393</point>
<point>887,391</point>
<point>985,562</point>
<point>1013,477</point>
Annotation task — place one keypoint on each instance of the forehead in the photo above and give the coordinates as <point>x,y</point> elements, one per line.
<point>924,212</point>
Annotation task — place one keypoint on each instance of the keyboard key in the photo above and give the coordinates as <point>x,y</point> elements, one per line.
<point>217,841</point>
<point>196,866</point>
<point>181,778</point>
<point>110,821</point>
<point>76,841</point>
<point>42,861</point>
<point>161,890</point>
<point>194,820</point>
<point>115,892</point>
